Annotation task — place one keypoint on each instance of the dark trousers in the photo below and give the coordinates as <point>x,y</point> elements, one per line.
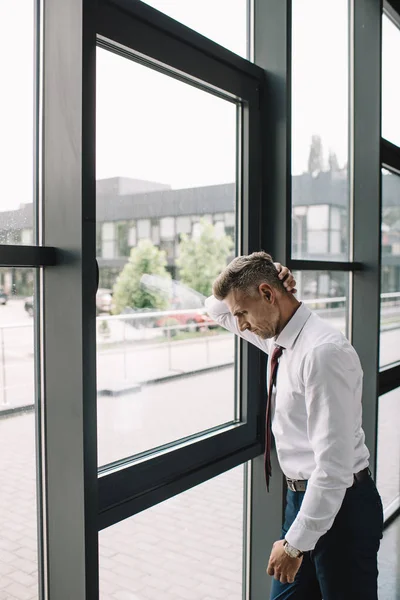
<point>343,564</point>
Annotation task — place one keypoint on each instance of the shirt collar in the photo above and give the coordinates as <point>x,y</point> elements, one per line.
<point>292,329</point>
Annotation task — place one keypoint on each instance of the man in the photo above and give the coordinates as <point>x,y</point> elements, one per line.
<point>333,519</point>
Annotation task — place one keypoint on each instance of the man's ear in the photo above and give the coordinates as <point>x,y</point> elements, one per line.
<point>266,292</point>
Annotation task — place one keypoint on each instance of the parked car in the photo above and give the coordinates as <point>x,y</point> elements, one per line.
<point>181,298</point>
<point>103,302</point>
<point>28,305</point>
<point>3,297</point>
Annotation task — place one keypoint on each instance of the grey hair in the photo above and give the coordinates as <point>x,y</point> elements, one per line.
<point>246,273</point>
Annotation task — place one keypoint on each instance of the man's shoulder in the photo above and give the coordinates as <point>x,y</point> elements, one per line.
<point>323,342</point>
<point>321,332</point>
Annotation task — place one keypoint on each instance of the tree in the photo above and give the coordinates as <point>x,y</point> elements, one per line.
<point>128,290</point>
<point>333,162</point>
<point>316,156</point>
<point>202,258</point>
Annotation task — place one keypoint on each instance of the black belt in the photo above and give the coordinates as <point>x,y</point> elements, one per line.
<point>300,485</point>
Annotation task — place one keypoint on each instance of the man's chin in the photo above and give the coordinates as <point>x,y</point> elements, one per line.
<point>263,335</point>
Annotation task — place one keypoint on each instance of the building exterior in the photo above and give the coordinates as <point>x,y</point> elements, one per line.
<point>129,210</point>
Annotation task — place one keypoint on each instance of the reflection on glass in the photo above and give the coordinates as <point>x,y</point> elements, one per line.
<point>18,522</point>
<point>223,21</point>
<point>16,121</point>
<point>320,124</point>
<point>390,81</point>
<point>388,454</point>
<point>389,350</point>
<point>166,203</point>
<point>325,293</point>
<point>190,546</point>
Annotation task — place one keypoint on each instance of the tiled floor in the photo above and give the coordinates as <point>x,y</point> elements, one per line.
<point>389,563</point>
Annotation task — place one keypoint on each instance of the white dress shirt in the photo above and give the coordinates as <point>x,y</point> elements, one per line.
<point>316,414</point>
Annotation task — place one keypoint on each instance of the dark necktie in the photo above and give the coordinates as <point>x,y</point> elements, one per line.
<point>268,433</point>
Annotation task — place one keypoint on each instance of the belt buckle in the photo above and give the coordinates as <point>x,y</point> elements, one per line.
<point>291,485</point>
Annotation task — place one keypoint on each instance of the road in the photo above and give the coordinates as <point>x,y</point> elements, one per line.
<point>127,355</point>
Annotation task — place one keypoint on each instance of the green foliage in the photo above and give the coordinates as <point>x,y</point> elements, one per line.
<point>144,259</point>
<point>202,259</point>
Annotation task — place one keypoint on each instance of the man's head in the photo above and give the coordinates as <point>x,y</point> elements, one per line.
<point>255,295</point>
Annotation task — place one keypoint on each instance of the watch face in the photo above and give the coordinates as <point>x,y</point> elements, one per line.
<point>293,552</point>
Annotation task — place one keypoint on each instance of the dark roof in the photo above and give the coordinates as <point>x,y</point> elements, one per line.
<point>167,203</point>
<point>306,190</point>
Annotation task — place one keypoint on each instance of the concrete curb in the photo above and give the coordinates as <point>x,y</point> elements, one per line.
<point>120,389</point>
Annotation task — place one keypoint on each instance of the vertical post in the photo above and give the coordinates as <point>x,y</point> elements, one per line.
<point>3,367</point>
<point>366,134</point>
<point>169,348</point>
<point>272,52</point>
<point>69,419</point>
<point>125,366</point>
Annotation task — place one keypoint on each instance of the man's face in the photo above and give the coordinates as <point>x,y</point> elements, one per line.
<point>259,313</point>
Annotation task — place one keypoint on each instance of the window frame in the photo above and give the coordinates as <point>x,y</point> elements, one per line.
<point>133,28</point>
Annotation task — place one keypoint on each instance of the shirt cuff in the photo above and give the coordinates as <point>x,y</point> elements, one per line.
<point>301,538</point>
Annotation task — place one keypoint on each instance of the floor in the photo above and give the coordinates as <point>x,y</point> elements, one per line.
<point>389,563</point>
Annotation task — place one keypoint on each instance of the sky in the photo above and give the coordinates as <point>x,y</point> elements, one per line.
<point>152,127</point>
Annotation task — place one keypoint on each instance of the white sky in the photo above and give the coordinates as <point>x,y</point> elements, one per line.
<point>152,127</point>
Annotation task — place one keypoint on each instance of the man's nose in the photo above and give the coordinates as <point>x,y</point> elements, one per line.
<point>243,325</point>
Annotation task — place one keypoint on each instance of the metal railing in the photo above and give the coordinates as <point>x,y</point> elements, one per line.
<point>124,336</point>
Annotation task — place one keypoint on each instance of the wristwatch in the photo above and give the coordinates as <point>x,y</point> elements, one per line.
<point>291,551</point>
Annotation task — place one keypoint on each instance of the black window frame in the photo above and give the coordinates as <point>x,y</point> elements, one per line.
<point>131,28</point>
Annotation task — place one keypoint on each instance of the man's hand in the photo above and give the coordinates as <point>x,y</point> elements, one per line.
<point>281,566</point>
<point>286,277</point>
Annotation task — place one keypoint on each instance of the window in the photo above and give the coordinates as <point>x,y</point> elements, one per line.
<point>108,250</point>
<point>183,225</point>
<point>390,82</point>
<point>390,273</point>
<point>143,229</point>
<point>326,293</point>
<point>122,239</point>
<point>210,18</point>
<point>388,453</point>
<point>190,546</point>
<point>154,342</point>
<point>320,127</point>
<point>18,463</point>
<point>16,122</point>
<point>167,228</point>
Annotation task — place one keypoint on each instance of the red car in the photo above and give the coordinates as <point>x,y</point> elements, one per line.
<point>192,321</point>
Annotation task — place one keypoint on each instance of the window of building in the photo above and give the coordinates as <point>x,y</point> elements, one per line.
<point>320,122</point>
<point>143,229</point>
<point>167,228</point>
<point>108,240</point>
<point>390,82</point>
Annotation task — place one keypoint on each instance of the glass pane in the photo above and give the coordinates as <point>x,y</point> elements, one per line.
<point>320,129</point>
<point>16,121</point>
<point>18,521</point>
<point>152,330</point>
<point>326,293</point>
<point>390,81</point>
<point>188,547</point>
<point>390,275</point>
<point>223,21</point>
<point>388,458</point>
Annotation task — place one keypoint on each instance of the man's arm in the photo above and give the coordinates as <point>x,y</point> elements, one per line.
<point>331,375</point>
<point>219,311</point>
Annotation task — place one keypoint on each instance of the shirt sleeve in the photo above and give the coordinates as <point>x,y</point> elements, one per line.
<point>220,313</point>
<point>331,376</point>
